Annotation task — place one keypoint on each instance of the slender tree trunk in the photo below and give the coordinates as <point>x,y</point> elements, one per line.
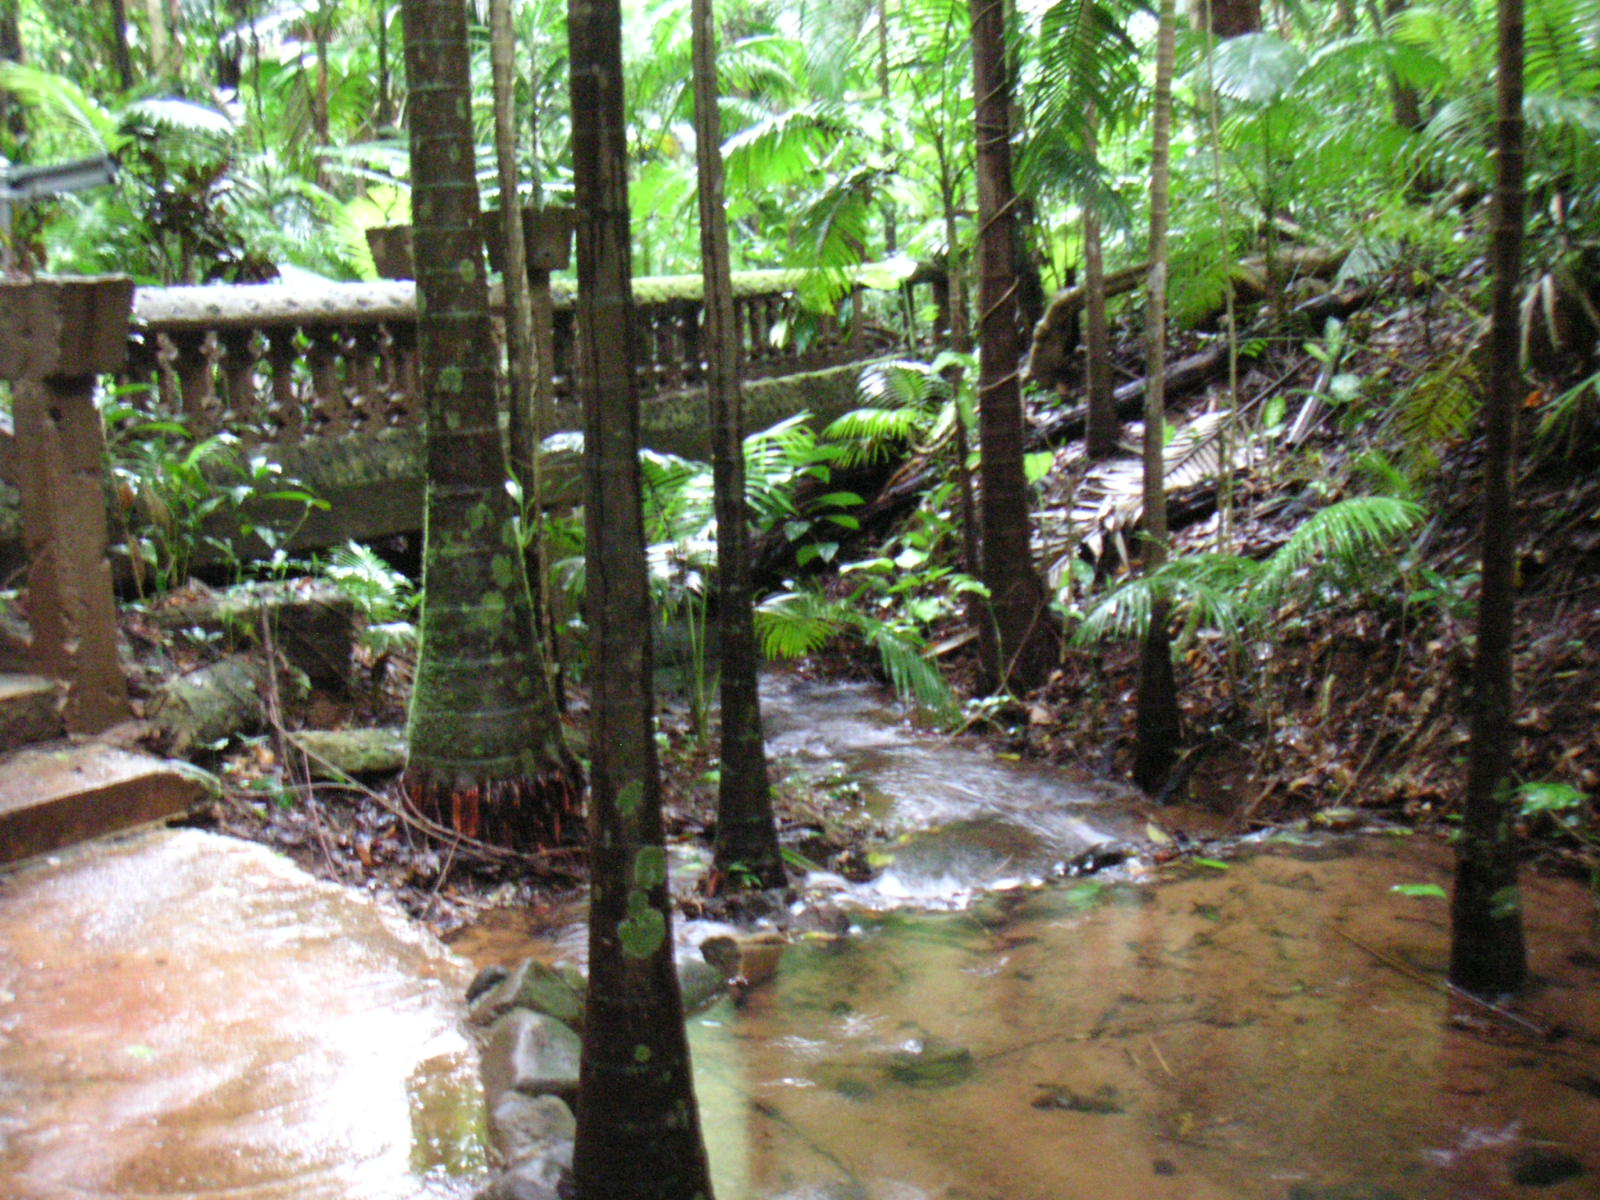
<point>155,12</point>
<point>1018,644</point>
<point>485,752</point>
<point>960,334</point>
<point>319,100</point>
<point>1158,724</point>
<point>638,1125</point>
<point>523,427</point>
<point>383,110</point>
<point>1487,953</point>
<point>13,119</point>
<point>121,55</point>
<point>747,837</point>
<point>230,46</point>
<point>1104,428</point>
<point>1407,105</point>
<point>891,234</point>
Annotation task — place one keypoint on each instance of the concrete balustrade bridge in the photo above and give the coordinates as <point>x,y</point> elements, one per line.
<point>322,379</point>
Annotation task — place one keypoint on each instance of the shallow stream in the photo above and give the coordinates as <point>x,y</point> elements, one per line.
<point>185,1015</point>
<point>1271,1026</point>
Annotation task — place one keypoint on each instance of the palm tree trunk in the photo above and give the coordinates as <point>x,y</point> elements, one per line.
<point>1018,644</point>
<point>523,425</point>
<point>1487,953</point>
<point>485,752</point>
<point>747,837</point>
<point>1103,426</point>
<point>1158,723</point>
<point>638,1125</point>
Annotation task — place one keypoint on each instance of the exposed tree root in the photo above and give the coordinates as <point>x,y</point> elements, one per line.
<point>522,813</point>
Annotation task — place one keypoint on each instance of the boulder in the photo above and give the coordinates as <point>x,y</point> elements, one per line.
<point>531,1053</point>
<point>523,1128</point>
<point>537,987</point>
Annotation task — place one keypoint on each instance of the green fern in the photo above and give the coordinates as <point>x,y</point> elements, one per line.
<point>1349,539</point>
<point>1349,542</point>
<point>382,594</point>
<point>794,624</point>
<point>1210,590</point>
<point>1434,412</point>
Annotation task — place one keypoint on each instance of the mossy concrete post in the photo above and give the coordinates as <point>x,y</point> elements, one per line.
<point>56,335</point>
<point>549,241</point>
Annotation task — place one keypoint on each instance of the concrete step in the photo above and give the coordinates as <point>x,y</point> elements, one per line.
<point>30,711</point>
<point>59,794</point>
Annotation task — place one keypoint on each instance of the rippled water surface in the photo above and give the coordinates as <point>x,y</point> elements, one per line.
<point>1273,1030</point>
<point>183,1015</point>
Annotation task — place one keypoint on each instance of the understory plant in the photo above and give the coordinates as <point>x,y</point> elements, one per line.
<point>179,500</point>
<point>1351,548</point>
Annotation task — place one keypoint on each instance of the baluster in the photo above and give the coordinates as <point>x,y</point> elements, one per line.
<point>365,396</point>
<point>238,372</point>
<point>692,330</point>
<point>564,352</point>
<point>405,395</point>
<point>192,364</point>
<point>287,412</point>
<point>330,415</point>
<point>760,329</point>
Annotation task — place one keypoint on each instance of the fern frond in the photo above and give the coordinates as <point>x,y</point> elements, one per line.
<point>62,107</point>
<point>1212,590</point>
<point>912,675</point>
<point>870,435</point>
<point>794,624</point>
<point>1348,538</point>
<point>1435,411</point>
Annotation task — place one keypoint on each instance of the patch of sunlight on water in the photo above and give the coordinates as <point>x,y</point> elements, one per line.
<point>1226,1034</point>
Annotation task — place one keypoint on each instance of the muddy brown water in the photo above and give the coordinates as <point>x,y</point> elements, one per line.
<point>1274,1026</point>
<point>183,1015</point>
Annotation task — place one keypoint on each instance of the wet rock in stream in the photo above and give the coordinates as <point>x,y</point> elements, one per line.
<point>531,1053</point>
<point>930,1062</point>
<point>1542,1166</point>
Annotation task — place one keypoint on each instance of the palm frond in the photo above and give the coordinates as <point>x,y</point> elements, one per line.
<point>1256,68</point>
<point>794,624</point>
<point>61,108</point>
<point>1110,498</point>
<point>1211,590</point>
<point>1351,538</point>
<point>1434,412</point>
<point>912,675</point>
<point>776,148</point>
<point>870,435</point>
<point>181,118</point>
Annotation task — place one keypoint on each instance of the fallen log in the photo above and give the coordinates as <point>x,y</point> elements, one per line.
<point>1186,374</point>
<point>1055,337</point>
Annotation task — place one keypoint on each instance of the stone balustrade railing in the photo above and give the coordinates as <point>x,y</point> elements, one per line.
<point>281,363</point>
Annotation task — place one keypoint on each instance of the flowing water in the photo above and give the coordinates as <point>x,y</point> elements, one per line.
<point>183,1015</point>
<point>1274,1026</point>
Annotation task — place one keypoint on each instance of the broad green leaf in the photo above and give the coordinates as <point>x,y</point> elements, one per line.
<point>1432,890</point>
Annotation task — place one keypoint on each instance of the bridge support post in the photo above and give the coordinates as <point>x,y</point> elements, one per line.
<point>56,335</point>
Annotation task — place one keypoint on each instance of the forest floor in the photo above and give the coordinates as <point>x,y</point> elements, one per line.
<point>1341,712</point>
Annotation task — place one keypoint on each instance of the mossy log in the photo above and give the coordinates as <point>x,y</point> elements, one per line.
<point>1055,337</point>
<point>211,704</point>
<point>1186,374</point>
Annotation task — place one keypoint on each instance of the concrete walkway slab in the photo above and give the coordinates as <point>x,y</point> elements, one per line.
<point>59,794</point>
<point>188,1015</point>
